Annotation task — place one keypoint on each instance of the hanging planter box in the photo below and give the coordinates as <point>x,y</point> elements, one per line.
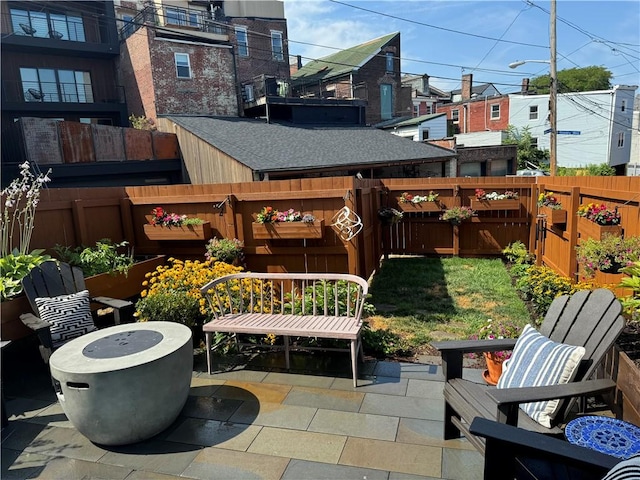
<point>184,232</point>
<point>554,216</point>
<point>284,230</point>
<point>507,204</point>
<point>590,229</point>
<point>420,207</point>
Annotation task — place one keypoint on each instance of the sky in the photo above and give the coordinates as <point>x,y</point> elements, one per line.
<point>446,38</point>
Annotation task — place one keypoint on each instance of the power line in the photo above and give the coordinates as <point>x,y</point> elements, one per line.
<point>438,28</point>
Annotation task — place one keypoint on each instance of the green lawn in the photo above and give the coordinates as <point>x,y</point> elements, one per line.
<point>427,299</point>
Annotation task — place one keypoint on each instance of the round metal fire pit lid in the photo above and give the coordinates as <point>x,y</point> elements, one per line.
<point>122,344</point>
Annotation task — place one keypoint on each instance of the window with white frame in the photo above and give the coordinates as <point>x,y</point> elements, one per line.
<point>183,65</point>
<point>416,110</point>
<point>243,41</point>
<point>533,112</point>
<point>495,111</point>
<point>455,116</point>
<point>389,61</point>
<point>276,46</point>
<point>620,139</point>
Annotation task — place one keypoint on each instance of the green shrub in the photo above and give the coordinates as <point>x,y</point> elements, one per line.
<point>517,253</point>
<point>318,291</point>
<point>225,250</point>
<point>171,306</point>
<point>14,267</point>
<point>105,257</point>
<point>631,304</point>
<point>541,285</point>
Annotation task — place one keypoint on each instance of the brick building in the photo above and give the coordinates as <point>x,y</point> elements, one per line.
<point>199,57</point>
<point>369,71</point>
<point>476,113</point>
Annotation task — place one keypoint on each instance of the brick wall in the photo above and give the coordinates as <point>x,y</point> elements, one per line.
<point>478,114</point>
<point>260,60</point>
<point>148,72</point>
<point>374,74</point>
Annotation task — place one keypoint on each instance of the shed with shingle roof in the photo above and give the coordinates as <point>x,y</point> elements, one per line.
<point>232,149</point>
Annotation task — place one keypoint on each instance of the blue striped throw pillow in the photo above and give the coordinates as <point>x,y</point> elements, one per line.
<point>537,361</point>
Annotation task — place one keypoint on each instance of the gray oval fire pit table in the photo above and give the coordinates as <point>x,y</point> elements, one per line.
<point>127,383</point>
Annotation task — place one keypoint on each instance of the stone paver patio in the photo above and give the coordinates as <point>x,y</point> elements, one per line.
<point>254,421</point>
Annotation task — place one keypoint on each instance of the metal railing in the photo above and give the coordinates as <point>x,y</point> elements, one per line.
<point>61,92</point>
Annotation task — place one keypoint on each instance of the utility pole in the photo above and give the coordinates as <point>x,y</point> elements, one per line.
<point>553,93</point>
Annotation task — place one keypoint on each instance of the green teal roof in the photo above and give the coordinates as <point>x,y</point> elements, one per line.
<point>342,62</point>
<point>417,120</point>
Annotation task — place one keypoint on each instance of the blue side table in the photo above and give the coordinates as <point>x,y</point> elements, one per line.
<point>604,434</point>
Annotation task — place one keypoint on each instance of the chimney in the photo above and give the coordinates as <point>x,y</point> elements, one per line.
<point>524,89</point>
<point>425,85</point>
<point>467,84</point>
<point>296,66</point>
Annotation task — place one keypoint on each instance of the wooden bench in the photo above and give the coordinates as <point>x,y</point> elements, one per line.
<point>288,305</point>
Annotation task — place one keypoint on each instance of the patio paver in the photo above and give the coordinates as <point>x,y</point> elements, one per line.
<point>256,421</point>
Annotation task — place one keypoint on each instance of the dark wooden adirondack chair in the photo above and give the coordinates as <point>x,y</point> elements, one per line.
<point>514,453</point>
<point>53,279</point>
<point>587,318</point>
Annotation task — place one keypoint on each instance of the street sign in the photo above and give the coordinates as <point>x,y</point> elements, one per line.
<point>548,130</point>
<point>568,132</point>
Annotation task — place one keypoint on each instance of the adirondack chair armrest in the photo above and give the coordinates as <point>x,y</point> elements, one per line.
<point>123,309</point>
<point>503,396</point>
<point>41,327</point>
<point>508,399</point>
<point>33,322</point>
<point>452,352</point>
<point>508,446</point>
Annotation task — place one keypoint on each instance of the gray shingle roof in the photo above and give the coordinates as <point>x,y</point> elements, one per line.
<point>265,147</point>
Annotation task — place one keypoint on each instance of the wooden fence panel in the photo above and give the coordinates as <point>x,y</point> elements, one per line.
<point>78,216</point>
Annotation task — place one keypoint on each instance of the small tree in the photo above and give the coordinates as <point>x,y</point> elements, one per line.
<point>527,152</point>
<point>575,80</point>
<point>141,122</point>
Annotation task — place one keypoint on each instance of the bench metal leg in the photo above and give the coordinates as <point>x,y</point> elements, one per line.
<point>354,362</point>
<point>207,337</point>
<point>287,363</point>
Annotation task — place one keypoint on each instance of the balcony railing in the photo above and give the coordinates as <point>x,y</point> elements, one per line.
<point>172,17</point>
<point>49,92</point>
<point>55,30</point>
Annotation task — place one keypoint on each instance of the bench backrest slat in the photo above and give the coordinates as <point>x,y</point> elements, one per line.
<point>287,294</point>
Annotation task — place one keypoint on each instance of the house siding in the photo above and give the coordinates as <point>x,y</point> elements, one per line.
<point>596,115</point>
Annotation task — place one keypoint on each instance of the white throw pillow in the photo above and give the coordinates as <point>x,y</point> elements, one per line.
<point>69,316</point>
<point>537,361</point>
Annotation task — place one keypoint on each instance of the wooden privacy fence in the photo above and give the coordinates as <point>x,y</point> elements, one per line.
<point>74,217</point>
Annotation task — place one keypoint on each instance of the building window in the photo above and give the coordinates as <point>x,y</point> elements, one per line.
<point>425,134</point>
<point>48,85</point>
<point>533,112</point>
<point>276,46</point>
<point>386,101</point>
<point>534,142</point>
<point>623,106</point>
<point>455,116</point>
<point>47,25</point>
<point>428,109</point>
<point>620,139</point>
<point>495,111</point>
<point>416,110</point>
<point>127,26</point>
<point>248,93</point>
<point>389,61</point>
<point>183,67</point>
<point>243,41</point>
<point>182,17</point>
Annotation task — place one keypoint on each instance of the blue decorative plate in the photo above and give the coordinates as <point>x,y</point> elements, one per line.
<point>604,434</point>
